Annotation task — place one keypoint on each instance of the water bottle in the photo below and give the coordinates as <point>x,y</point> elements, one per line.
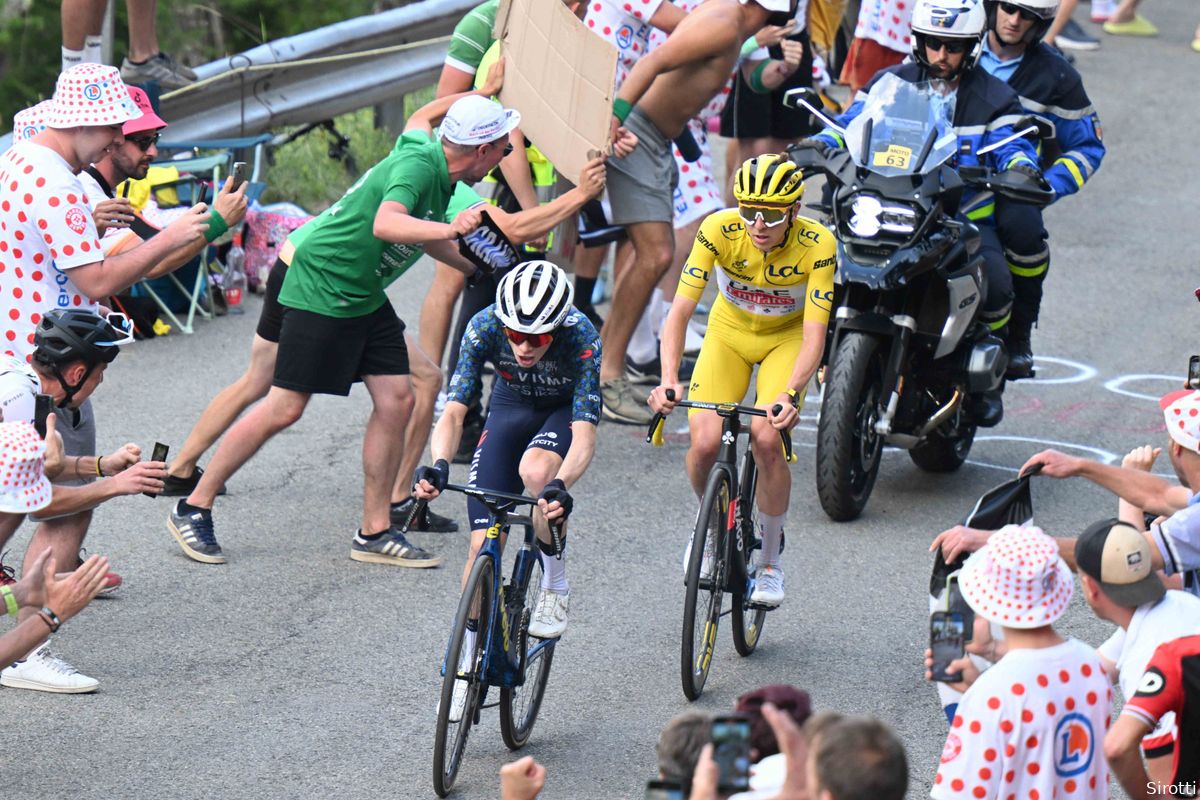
<point>235,276</point>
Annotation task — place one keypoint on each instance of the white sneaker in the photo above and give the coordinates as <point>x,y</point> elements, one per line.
<point>694,338</point>
<point>550,615</point>
<point>706,562</point>
<point>768,586</point>
<point>458,701</point>
<point>43,671</point>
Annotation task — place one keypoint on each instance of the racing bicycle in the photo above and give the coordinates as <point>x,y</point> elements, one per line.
<point>725,529</point>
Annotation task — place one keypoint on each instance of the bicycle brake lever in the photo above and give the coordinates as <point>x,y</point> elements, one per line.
<point>788,454</point>
<point>654,435</point>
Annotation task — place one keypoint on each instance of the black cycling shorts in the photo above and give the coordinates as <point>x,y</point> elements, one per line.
<point>511,429</point>
<point>270,319</point>
<point>326,355</point>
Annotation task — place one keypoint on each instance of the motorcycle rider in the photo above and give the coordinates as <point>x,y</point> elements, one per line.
<point>1049,87</point>
<point>946,41</point>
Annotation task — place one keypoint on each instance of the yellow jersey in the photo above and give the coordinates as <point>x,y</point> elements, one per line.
<point>762,292</point>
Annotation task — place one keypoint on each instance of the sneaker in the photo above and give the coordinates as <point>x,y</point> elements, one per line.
<point>706,562</point>
<point>550,614</point>
<point>592,315</point>
<point>1102,10</point>
<point>622,405</point>
<point>160,67</point>
<point>183,487</point>
<point>8,576</point>
<point>425,522</point>
<point>391,548</point>
<point>694,338</point>
<point>195,534</point>
<point>1138,26</point>
<point>1074,37</point>
<point>112,581</point>
<point>768,586</point>
<point>650,372</point>
<point>43,671</point>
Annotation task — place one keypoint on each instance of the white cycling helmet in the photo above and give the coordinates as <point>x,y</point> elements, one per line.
<point>948,19</point>
<point>534,298</point>
<point>1044,12</point>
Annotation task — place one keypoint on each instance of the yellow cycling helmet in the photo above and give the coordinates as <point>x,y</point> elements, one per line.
<point>769,179</point>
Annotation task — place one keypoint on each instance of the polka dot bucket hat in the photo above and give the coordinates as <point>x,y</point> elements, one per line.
<point>29,122</point>
<point>1181,412</point>
<point>24,487</point>
<point>1017,579</point>
<point>90,94</point>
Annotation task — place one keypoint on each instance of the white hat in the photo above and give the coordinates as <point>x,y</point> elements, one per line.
<point>476,120</point>
<point>24,487</point>
<point>29,122</point>
<point>1017,579</point>
<point>90,94</point>
<point>1181,412</point>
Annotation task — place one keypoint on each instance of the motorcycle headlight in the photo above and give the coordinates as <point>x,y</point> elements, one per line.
<point>869,216</point>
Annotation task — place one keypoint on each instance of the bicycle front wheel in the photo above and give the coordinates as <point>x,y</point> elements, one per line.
<point>702,601</point>
<point>746,623</point>
<point>463,675</point>
<point>519,705</point>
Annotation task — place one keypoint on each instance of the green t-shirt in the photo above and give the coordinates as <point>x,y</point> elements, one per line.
<point>341,271</point>
<point>405,255</point>
<point>472,37</point>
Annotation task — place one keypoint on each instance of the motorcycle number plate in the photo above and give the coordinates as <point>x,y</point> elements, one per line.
<point>895,156</point>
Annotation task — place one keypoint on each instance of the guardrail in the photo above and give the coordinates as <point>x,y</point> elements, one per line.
<point>316,75</point>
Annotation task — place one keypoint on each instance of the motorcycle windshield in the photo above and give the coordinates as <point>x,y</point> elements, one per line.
<point>904,128</point>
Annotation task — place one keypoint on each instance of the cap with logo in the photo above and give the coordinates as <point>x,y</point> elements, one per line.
<point>1017,579</point>
<point>1181,410</point>
<point>474,120</point>
<point>1118,557</point>
<point>24,487</point>
<point>90,95</point>
<point>29,122</point>
<point>148,121</point>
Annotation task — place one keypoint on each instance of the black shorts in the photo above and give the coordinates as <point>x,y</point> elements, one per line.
<point>326,355</point>
<point>749,115</point>
<point>270,320</point>
<point>509,431</point>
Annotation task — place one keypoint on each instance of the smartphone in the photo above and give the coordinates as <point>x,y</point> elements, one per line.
<point>947,643</point>
<point>239,174</point>
<point>957,604</point>
<point>158,454</point>
<point>1194,372</point>
<point>731,751</point>
<point>43,406</point>
<point>663,790</point>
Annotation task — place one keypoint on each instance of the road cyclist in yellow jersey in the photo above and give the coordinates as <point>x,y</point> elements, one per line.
<point>774,272</point>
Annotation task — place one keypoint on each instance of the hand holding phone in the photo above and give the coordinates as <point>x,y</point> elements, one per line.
<point>158,454</point>
<point>663,790</point>
<point>43,406</point>
<point>731,751</point>
<point>947,642</point>
<point>957,604</point>
<point>1193,381</point>
<point>239,174</point>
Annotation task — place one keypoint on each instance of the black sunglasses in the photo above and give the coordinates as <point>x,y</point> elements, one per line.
<point>949,45</point>
<point>1026,14</point>
<point>144,143</point>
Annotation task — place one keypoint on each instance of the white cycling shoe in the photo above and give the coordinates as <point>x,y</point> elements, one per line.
<point>705,563</point>
<point>768,586</point>
<point>550,614</point>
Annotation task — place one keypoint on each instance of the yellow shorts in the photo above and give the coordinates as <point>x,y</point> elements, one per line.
<point>728,355</point>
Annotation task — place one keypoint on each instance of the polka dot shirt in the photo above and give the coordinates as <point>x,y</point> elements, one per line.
<point>887,22</point>
<point>46,229</point>
<point>625,23</point>
<point>1031,728</point>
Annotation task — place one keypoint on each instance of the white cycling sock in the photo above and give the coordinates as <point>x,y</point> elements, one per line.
<point>770,528</point>
<point>554,573</point>
<point>93,49</point>
<point>468,650</point>
<point>643,345</point>
<point>70,58</point>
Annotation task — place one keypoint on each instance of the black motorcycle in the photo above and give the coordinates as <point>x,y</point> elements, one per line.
<point>906,345</point>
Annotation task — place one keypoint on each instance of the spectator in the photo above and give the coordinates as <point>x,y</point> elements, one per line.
<point>857,758</point>
<point>769,769</point>
<point>1032,723</point>
<point>1170,686</point>
<point>679,746</point>
<point>82,24</point>
<point>1175,541</point>
<point>1125,21</point>
<point>882,38</point>
<point>1121,587</point>
<point>1067,34</point>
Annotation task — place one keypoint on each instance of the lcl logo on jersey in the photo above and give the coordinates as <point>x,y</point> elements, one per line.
<point>807,237</point>
<point>783,273</point>
<point>1074,745</point>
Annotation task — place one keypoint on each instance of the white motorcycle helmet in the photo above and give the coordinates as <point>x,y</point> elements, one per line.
<point>948,19</point>
<point>535,297</point>
<point>1043,12</point>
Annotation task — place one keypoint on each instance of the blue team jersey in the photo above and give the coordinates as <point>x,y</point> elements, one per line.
<point>569,372</point>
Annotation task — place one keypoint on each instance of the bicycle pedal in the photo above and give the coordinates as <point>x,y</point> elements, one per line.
<point>760,607</point>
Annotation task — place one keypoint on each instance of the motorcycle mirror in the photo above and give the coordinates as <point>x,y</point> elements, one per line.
<point>808,97</point>
<point>995,145</point>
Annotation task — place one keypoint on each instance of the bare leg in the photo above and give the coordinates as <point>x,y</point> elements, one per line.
<point>223,409</point>
<point>79,18</point>
<point>392,397</point>
<point>426,383</point>
<point>705,429</point>
<point>1125,12</point>
<point>1065,9</point>
<point>280,409</point>
<point>143,36</point>
<point>774,477</point>
<point>438,309</point>
<point>588,261</point>
<point>64,537</point>
<point>653,244</point>
<point>8,526</point>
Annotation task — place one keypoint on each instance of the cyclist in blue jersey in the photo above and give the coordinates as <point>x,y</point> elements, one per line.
<point>540,432</point>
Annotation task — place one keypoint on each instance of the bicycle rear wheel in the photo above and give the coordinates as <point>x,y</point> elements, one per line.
<point>519,705</point>
<point>747,623</point>
<point>450,737</point>
<point>702,601</point>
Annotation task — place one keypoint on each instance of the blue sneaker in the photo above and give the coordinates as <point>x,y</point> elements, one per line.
<point>391,548</point>
<point>194,533</point>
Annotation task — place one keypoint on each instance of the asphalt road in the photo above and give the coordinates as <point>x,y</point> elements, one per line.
<point>292,672</point>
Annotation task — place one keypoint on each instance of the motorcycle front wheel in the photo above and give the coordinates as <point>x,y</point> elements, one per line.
<point>848,448</point>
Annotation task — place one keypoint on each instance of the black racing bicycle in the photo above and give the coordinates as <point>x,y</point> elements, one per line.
<point>503,654</point>
<point>724,529</point>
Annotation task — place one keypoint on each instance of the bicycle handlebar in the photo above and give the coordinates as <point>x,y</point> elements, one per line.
<point>488,497</point>
<point>654,434</point>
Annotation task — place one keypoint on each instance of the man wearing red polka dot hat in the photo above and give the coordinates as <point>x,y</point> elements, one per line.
<point>1175,540</point>
<point>1032,726</point>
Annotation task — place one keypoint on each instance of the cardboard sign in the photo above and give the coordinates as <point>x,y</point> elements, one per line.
<point>560,76</point>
